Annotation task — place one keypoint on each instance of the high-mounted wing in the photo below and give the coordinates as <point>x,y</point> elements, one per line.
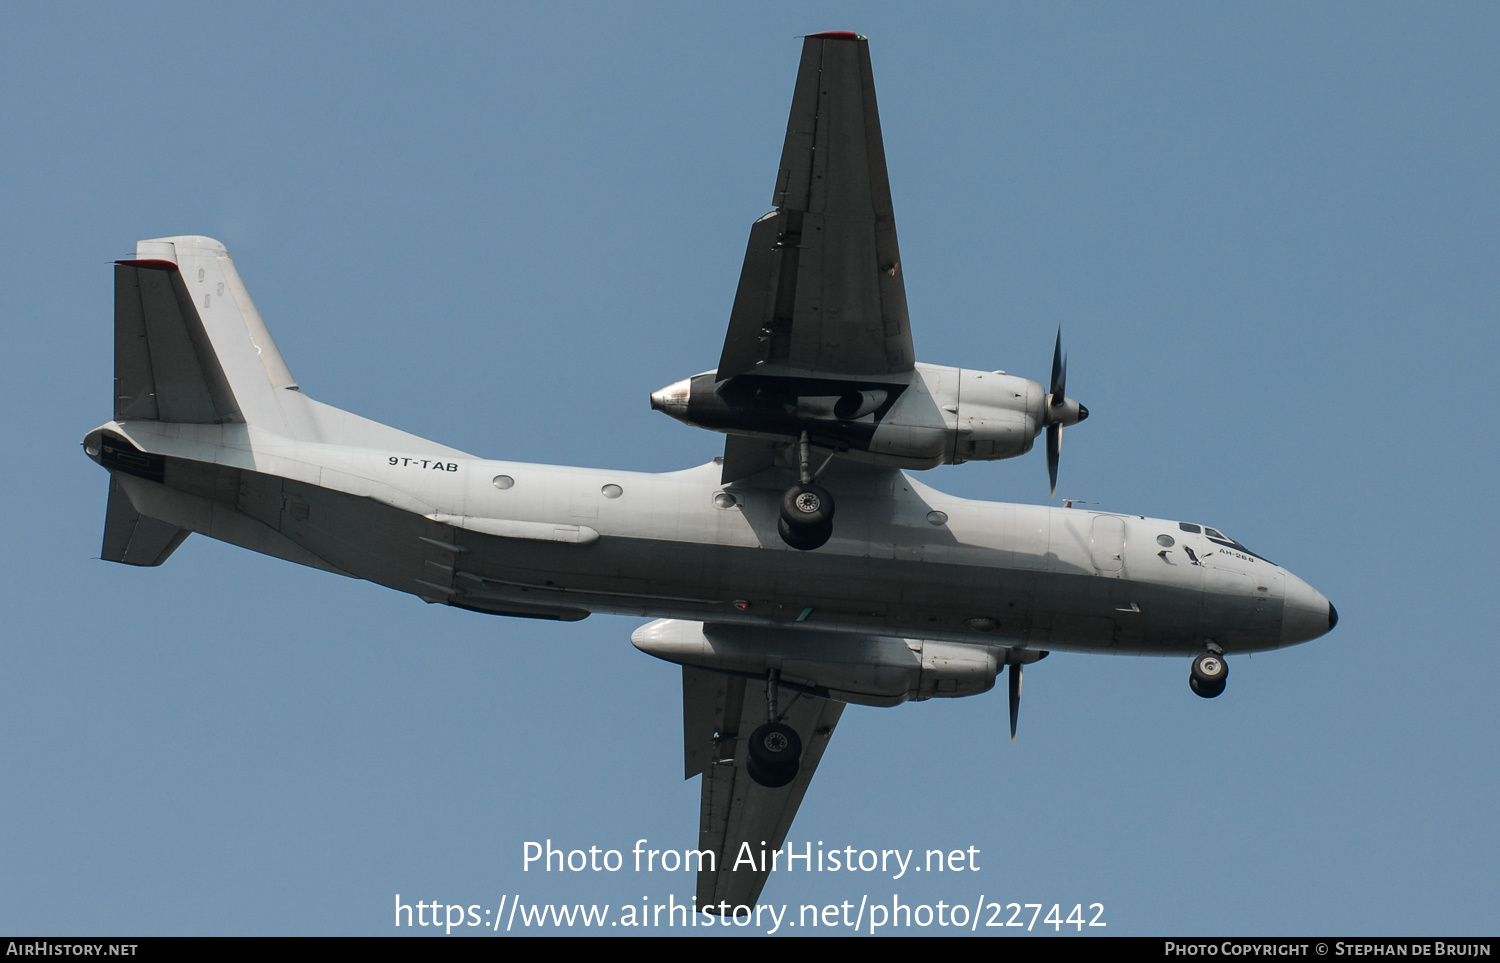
<point>821,288</point>
<point>740,819</point>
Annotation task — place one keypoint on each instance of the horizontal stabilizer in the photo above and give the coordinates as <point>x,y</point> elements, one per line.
<point>133,538</point>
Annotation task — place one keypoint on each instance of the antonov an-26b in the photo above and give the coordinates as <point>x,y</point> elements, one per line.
<point>779,610</point>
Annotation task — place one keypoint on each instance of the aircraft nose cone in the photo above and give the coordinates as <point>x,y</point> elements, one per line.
<point>1307,614</point>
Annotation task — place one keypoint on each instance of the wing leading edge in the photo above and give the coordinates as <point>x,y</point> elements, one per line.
<point>821,287</point>
<point>742,822</point>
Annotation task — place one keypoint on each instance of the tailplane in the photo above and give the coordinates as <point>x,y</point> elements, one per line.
<point>133,538</point>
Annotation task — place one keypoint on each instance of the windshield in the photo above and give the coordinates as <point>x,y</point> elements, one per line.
<point>1219,538</point>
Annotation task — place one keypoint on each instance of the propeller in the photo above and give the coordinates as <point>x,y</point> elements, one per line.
<point>1015,698</point>
<point>1015,684</point>
<point>1061,410</point>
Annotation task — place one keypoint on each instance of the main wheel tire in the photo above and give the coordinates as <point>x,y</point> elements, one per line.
<point>771,778</point>
<point>1209,675</point>
<point>774,755</point>
<point>802,539</point>
<point>807,507</point>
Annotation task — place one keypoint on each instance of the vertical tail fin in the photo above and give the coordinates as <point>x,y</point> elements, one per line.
<point>190,346</point>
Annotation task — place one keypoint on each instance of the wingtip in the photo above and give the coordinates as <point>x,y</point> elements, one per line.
<point>835,35</point>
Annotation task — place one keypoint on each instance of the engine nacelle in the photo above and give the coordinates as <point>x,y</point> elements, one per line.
<point>863,669</point>
<point>978,416</point>
<point>931,415</point>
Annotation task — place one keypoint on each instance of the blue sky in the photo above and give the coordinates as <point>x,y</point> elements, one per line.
<point>1268,231</point>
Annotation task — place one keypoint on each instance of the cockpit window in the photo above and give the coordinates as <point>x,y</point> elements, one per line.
<point>1219,538</point>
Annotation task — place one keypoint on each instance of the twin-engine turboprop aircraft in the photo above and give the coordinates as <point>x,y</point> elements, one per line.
<point>778,614</point>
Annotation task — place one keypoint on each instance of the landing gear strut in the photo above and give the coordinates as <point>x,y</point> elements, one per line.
<point>806,519</point>
<point>774,752</point>
<point>1210,673</point>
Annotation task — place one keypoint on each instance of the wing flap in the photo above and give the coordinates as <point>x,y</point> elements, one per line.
<point>751,318</point>
<point>745,456</point>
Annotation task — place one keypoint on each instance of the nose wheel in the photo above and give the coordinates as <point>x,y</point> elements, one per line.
<point>1210,673</point>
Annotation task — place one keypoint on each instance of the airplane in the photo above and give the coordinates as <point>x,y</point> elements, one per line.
<point>778,613</point>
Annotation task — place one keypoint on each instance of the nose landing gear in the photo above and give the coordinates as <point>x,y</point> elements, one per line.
<point>1210,673</point>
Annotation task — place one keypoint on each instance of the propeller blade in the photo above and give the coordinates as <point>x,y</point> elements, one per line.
<point>1054,452</point>
<point>1059,370</point>
<point>1059,398</point>
<point>1015,698</point>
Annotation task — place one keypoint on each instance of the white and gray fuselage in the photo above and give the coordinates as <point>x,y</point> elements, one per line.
<point>905,561</point>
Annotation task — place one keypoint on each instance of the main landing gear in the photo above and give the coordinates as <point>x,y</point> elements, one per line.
<point>774,752</point>
<point>1210,673</point>
<point>806,520</point>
